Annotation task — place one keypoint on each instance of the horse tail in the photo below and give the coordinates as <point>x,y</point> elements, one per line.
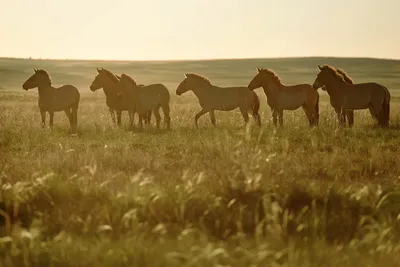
<point>386,108</point>
<point>256,108</point>
<point>74,113</point>
<point>316,111</point>
<point>166,109</point>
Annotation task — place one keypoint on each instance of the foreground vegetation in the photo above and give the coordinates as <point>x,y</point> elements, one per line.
<point>224,196</point>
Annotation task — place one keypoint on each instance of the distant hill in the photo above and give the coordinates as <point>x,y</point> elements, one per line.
<point>13,72</point>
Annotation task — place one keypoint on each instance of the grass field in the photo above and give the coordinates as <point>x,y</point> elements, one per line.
<point>215,196</point>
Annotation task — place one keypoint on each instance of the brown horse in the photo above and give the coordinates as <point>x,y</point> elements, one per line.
<point>372,96</point>
<point>335,99</point>
<point>282,97</point>
<point>116,103</point>
<point>213,98</point>
<point>51,99</point>
<point>144,99</point>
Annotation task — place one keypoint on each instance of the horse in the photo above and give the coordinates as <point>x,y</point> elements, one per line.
<point>116,104</point>
<point>212,97</point>
<point>146,98</point>
<point>282,97</point>
<point>370,95</point>
<point>52,99</point>
<point>334,99</point>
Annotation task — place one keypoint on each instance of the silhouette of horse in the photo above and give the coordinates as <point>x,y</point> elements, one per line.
<point>146,98</point>
<point>212,97</point>
<point>372,96</point>
<point>282,97</point>
<point>116,103</point>
<point>51,99</point>
<point>335,99</point>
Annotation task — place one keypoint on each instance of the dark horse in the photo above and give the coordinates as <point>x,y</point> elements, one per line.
<point>212,98</point>
<point>116,103</point>
<point>335,100</point>
<point>282,97</point>
<point>370,95</point>
<point>65,98</point>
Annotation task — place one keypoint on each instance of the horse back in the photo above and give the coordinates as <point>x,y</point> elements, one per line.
<point>66,96</point>
<point>297,88</point>
<point>154,93</point>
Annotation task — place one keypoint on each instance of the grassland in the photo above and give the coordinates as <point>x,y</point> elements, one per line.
<point>224,196</point>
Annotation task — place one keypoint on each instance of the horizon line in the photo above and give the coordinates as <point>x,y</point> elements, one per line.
<point>198,59</point>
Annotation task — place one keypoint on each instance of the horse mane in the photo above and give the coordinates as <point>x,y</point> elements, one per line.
<point>334,72</point>
<point>346,77</point>
<point>198,77</point>
<point>129,78</point>
<point>271,73</point>
<point>44,73</point>
<point>110,74</point>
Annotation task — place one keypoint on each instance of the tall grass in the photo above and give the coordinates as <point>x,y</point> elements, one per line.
<point>215,196</point>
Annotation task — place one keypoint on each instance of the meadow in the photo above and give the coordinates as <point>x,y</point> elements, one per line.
<point>214,196</point>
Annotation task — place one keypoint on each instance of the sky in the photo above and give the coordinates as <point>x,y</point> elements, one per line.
<point>198,29</point>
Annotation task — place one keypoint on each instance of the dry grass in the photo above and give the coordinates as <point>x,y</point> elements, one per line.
<point>224,196</point>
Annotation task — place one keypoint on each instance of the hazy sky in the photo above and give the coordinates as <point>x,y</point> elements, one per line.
<point>196,29</point>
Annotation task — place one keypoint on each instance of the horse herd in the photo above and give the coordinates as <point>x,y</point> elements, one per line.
<point>124,94</point>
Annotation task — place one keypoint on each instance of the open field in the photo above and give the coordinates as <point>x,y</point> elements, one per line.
<point>224,196</point>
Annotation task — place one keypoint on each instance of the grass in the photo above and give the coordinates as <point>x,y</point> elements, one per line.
<point>224,196</point>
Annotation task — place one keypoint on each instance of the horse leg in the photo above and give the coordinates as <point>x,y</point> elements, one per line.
<point>275,117</point>
<point>339,116</point>
<point>140,120</point>
<point>69,115</point>
<point>166,112</point>
<point>245,115</point>
<point>310,115</point>
<point>350,117</point>
<point>198,115</point>
<point>112,113</point>
<point>378,112</point>
<point>148,117</point>
<point>212,117</point>
<point>280,114</point>
<point>119,114</point>
<point>156,112</point>
<point>131,116</point>
<point>51,117</point>
<point>373,112</point>
<point>255,110</point>
<point>74,119</point>
<point>343,117</point>
<point>43,115</point>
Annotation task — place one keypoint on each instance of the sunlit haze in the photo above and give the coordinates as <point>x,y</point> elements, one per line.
<point>199,29</point>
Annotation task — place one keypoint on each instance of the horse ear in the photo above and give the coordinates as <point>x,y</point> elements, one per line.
<point>319,67</point>
<point>119,77</point>
<point>185,75</point>
<point>98,71</point>
<point>34,70</point>
<point>258,69</point>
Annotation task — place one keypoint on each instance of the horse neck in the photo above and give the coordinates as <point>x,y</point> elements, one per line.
<point>272,89</point>
<point>333,83</point>
<point>45,89</point>
<point>109,89</point>
<point>330,91</point>
<point>201,90</point>
<point>267,91</point>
